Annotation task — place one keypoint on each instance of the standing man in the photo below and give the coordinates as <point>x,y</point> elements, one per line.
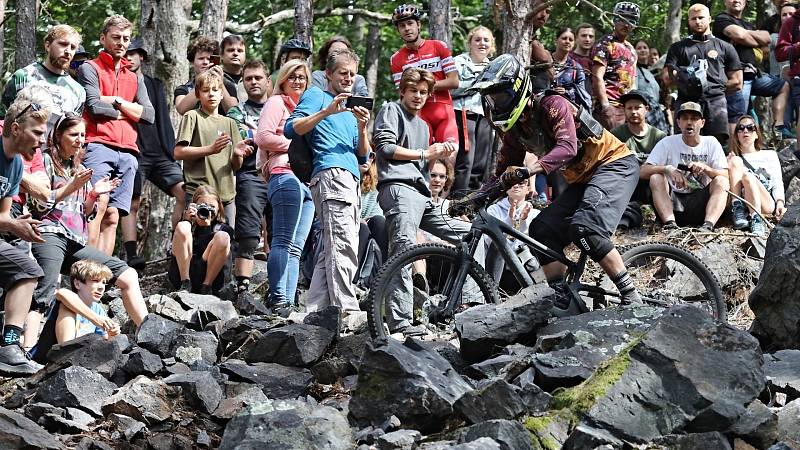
<point>723,72</point>
<point>232,59</point>
<point>116,100</point>
<point>614,66</point>
<point>582,53</point>
<point>60,45</point>
<point>156,163</point>
<point>788,49</point>
<point>435,57</point>
<point>24,133</point>
<point>752,46</point>
<point>251,203</point>
<point>339,142</point>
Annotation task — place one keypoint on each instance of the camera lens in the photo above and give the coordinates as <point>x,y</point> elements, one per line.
<point>203,212</point>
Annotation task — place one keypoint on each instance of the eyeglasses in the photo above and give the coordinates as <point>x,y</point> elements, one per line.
<point>31,106</point>
<point>297,78</point>
<point>750,128</point>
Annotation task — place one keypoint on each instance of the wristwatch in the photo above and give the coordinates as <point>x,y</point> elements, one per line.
<point>116,104</point>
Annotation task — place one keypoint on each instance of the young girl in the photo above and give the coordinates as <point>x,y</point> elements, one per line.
<point>201,245</point>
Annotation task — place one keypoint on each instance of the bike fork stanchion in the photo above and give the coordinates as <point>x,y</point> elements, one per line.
<point>461,275</point>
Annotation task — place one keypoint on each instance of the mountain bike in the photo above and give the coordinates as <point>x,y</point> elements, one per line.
<point>665,274</point>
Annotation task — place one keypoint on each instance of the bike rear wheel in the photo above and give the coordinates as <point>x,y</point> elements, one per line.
<point>666,274</point>
<point>441,267</point>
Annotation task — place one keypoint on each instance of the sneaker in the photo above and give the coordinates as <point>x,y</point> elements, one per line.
<point>206,290</point>
<point>670,226</point>
<point>137,262</point>
<point>15,362</point>
<point>785,132</point>
<point>411,331</point>
<point>739,213</point>
<point>757,226</point>
<point>707,226</point>
<point>186,286</point>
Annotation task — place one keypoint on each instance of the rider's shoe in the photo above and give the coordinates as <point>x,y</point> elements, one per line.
<point>564,301</point>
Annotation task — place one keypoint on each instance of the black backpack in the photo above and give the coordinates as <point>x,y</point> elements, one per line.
<point>301,158</point>
<point>692,80</point>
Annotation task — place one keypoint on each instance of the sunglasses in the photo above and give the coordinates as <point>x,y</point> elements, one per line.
<point>751,128</point>
<point>31,107</point>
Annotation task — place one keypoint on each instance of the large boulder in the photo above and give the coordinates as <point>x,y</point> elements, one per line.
<point>19,432</point>
<point>407,380</point>
<point>774,301</point>
<point>687,374</point>
<point>484,330</point>
<point>146,400</point>
<point>295,344</point>
<point>496,400</point>
<point>782,369</point>
<point>758,426</point>
<point>204,309</point>
<point>156,334</point>
<point>789,422</point>
<point>90,351</point>
<point>277,381</point>
<point>288,424</point>
<point>76,387</point>
<point>509,434</point>
<point>200,389</point>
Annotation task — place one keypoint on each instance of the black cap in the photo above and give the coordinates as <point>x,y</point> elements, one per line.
<point>137,44</point>
<point>634,95</point>
<point>82,52</point>
<point>295,44</point>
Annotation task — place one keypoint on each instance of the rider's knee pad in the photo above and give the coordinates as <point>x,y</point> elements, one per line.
<point>595,245</point>
<point>247,247</point>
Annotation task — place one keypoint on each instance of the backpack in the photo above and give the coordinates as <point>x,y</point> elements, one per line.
<point>301,158</point>
<point>693,80</point>
<point>369,265</point>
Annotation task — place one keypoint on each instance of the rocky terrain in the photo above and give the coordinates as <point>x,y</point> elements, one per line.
<point>198,375</point>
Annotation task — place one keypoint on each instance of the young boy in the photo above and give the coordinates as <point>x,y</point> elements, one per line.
<point>210,145</point>
<point>78,311</point>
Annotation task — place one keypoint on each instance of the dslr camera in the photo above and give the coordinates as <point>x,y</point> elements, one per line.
<point>206,211</point>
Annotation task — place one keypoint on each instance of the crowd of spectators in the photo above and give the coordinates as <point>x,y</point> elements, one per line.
<point>83,132</point>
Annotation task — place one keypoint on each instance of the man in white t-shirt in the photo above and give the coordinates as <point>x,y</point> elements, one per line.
<point>688,174</point>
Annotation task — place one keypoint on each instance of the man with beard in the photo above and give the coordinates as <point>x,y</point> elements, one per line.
<point>232,59</point>
<point>116,100</point>
<point>337,137</point>
<point>688,174</point>
<point>60,45</point>
<point>723,73</point>
<point>435,57</point>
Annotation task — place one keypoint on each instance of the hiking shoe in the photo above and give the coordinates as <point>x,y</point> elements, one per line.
<point>707,226</point>
<point>137,262</point>
<point>206,290</point>
<point>186,286</point>
<point>785,132</point>
<point>670,226</point>
<point>411,331</point>
<point>15,362</point>
<point>757,226</point>
<point>739,213</point>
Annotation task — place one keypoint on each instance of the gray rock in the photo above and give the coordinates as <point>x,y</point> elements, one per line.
<point>76,387</point>
<point>687,374</point>
<point>494,367</point>
<point>143,399</point>
<point>351,348</point>
<point>116,310</point>
<point>204,309</point>
<point>200,389</point>
<point>407,380</point>
<point>758,426</point>
<point>142,362</point>
<point>90,351</point>
<point>399,440</point>
<point>288,424</point>
<point>483,443</point>
<point>329,318</point>
<point>496,400</point>
<point>169,441</point>
<point>232,405</point>
<point>79,416</point>
<point>484,329</point>
<point>774,301</point>
<point>127,426</point>
<point>567,367</point>
<point>295,344</point>
<point>368,435</point>
<point>584,436</point>
<point>277,381</point>
<point>694,441</point>
<point>17,431</point>
<point>510,435</point>
<point>90,444</point>
<point>169,308</point>
<point>534,398</point>
<point>328,371</point>
<point>790,165</point>
<point>718,257</point>
<point>549,432</point>
<point>785,445</point>
<point>156,333</point>
<point>789,422</point>
<point>190,346</point>
<point>782,369</point>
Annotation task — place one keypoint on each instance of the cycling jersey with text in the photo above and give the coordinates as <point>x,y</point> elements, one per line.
<point>433,56</point>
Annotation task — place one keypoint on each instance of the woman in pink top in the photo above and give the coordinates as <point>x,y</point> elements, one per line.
<point>292,206</point>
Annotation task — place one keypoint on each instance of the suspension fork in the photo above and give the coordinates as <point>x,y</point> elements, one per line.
<point>454,285</point>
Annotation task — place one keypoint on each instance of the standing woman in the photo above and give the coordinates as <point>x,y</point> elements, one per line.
<point>646,83</point>
<point>335,44</point>
<point>292,205</point>
<point>570,78</point>
<point>475,137</point>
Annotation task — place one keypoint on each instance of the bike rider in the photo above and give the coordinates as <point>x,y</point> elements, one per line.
<point>601,171</point>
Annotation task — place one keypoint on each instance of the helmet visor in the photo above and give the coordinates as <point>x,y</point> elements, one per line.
<point>501,102</point>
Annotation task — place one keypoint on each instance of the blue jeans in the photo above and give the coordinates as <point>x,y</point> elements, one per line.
<point>292,213</point>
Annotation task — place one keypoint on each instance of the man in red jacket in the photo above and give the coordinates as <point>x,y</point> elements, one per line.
<point>116,99</point>
<point>788,49</point>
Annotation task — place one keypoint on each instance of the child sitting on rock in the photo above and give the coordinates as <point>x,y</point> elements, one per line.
<point>201,245</point>
<point>78,311</point>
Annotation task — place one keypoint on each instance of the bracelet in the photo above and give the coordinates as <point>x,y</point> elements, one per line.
<point>421,155</point>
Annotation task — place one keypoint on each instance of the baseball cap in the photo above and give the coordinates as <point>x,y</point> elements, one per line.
<point>634,95</point>
<point>137,44</point>
<point>691,106</point>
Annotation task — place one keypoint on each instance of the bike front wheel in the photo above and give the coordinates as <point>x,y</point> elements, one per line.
<point>424,276</point>
<point>666,274</point>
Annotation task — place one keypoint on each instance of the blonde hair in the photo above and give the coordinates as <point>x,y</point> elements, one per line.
<point>208,78</point>
<point>206,190</point>
<point>369,180</point>
<point>86,269</point>
<point>699,7</point>
<point>472,32</point>
<point>117,21</point>
<point>19,106</point>
<point>60,31</point>
<point>287,69</point>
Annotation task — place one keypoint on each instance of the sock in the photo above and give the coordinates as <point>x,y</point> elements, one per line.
<point>11,335</point>
<point>242,283</point>
<point>130,249</point>
<point>623,282</point>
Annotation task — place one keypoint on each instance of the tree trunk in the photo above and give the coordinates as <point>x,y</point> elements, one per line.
<point>212,24</point>
<point>163,26</point>
<point>439,23</point>
<point>2,35</point>
<point>25,52</point>
<point>372,55</point>
<point>510,16</point>
<point>304,21</point>
<point>672,31</point>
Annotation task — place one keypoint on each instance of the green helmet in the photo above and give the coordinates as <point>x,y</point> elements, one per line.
<point>505,88</point>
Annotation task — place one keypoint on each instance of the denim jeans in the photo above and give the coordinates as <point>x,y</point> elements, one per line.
<point>292,213</point>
